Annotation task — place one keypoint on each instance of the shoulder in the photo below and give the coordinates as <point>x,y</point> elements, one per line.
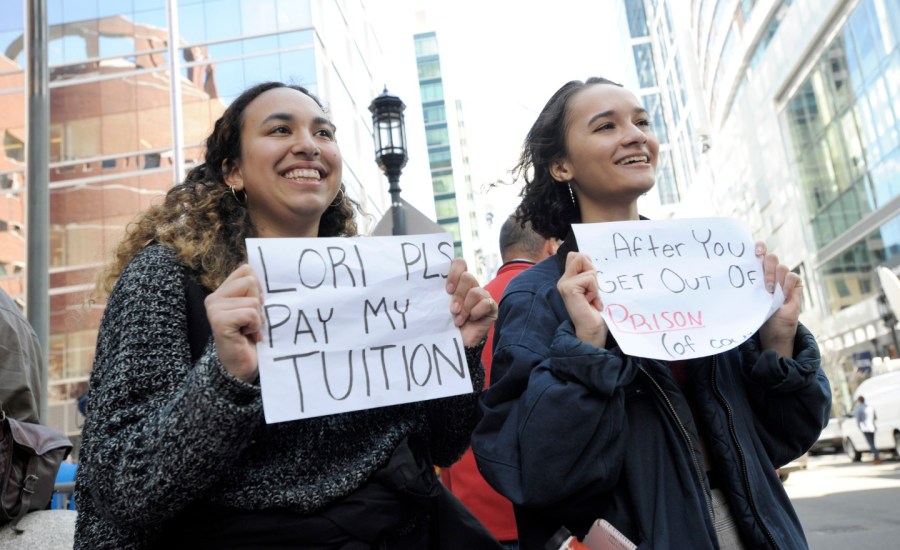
<point>536,279</point>
<point>11,315</point>
<point>153,263</point>
<point>153,276</point>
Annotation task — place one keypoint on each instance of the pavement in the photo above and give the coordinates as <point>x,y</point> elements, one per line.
<point>43,530</point>
<point>843,504</point>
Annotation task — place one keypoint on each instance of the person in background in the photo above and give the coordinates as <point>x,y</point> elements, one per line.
<point>520,248</point>
<point>865,418</point>
<point>176,452</point>
<point>672,454</point>
<point>21,362</point>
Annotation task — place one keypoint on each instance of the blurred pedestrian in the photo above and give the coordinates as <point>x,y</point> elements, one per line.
<point>678,454</point>
<point>520,248</point>
<point>865,418</point>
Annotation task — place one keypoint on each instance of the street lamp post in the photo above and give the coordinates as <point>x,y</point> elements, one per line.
<point>887,315</point>
<point>390,149</point>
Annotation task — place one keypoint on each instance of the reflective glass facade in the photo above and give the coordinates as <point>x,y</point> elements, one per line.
<point>844,124</point>
<point>112,134</point>
<point>437,134</point>
<point>650,94</point>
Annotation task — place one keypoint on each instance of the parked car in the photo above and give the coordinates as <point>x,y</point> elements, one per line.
<point>793,466</point>
<point>882,392</point>
<point>831,440</point>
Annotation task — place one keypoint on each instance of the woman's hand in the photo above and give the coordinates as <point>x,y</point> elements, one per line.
<point>581,294</point>
<point>235,315</point>
<point>778,332</point>
<point>473,309</point>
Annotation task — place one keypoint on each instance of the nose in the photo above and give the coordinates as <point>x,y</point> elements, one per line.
<point>305,144</point>
<point>634,134</point>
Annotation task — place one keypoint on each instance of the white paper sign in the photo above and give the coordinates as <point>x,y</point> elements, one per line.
<point>678,289</point>
<point>356,323</point>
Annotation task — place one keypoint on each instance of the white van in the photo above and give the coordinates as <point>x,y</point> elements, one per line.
<point>882,392</point>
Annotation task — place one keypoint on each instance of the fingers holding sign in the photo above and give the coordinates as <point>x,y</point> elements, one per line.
<point>581,295</point>
<point>234,311</point>
<point>473,309</point>
<point>778,331</point>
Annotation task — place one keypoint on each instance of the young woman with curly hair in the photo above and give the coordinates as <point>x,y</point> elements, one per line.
<point>678,454</point>
<point>175,449</point>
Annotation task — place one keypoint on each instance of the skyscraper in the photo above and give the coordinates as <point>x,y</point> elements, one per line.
<point>447,152</point>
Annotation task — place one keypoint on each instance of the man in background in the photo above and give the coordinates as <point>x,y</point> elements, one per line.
<point>865,419</point>
<point>520,248</point>
<point>20,363</point>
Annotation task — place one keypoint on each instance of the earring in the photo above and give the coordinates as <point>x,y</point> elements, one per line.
<point>234,194</point>
<point>571,193</point>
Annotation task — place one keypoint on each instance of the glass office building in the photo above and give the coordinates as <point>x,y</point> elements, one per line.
<point>661,87</point>
<point>447,154</point>
<point>844,124</point>
<point>805,122</point>
<point>122,127</point>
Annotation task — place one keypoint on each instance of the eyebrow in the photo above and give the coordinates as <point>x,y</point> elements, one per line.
<point>287,117</point>
<point>604,114</point>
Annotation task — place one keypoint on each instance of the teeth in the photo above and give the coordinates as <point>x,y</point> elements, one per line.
<point>304,173</point>
<point>632,160</point>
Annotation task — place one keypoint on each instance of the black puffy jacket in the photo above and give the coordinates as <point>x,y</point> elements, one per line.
<point>572,432</point>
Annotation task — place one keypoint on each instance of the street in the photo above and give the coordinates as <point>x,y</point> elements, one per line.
<point>848,505</point>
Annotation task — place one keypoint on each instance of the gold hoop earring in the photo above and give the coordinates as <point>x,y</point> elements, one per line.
<point>337,201</point>
<point>234,194</point>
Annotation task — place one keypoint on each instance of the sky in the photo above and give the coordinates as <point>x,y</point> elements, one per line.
<point>503,59</point>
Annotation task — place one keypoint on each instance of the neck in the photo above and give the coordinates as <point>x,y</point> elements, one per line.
<point>592,213</point>
<point>298,231</point>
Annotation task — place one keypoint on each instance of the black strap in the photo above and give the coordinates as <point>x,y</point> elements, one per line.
<point>29,485</point>
<point>199,330</point>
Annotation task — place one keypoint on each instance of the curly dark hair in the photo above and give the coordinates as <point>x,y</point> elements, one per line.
<point>546,203</point>
<point>201,218</point>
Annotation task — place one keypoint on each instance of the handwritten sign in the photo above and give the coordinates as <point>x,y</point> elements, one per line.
<point>678,289</point>
<point>355,323</point>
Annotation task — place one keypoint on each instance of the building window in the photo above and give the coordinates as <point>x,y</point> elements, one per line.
<point>845,134</point>
<point>429,69</point>
<point>437,136</point>
<point>849,277</point>
<point>14,147</point>
<point>432,91</point>
<point>151,160</point>
<point>446,208</point>
<point>637,18</point>
<point>426,44</point>
<point>434,113</point>
<point>442,183</point>
<point>643,61</point>
<point>439,158</point>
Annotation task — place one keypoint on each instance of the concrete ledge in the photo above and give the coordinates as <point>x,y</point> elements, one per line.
<point>44,529</point>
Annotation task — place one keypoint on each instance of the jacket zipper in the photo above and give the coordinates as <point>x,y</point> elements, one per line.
<point>737,444</point>
<point>687,439</point>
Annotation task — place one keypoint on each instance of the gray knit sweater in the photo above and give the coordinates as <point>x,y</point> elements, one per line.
<point>163,433</point>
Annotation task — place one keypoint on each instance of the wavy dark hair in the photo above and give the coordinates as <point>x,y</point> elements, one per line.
<point>546,203</point>
<point>201,218</point>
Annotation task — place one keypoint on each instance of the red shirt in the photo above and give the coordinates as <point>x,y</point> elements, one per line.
<point>463,478</point>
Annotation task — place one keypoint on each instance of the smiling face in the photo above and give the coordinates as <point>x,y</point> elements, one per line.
<point>611,153</point>
<point>290,165</point>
